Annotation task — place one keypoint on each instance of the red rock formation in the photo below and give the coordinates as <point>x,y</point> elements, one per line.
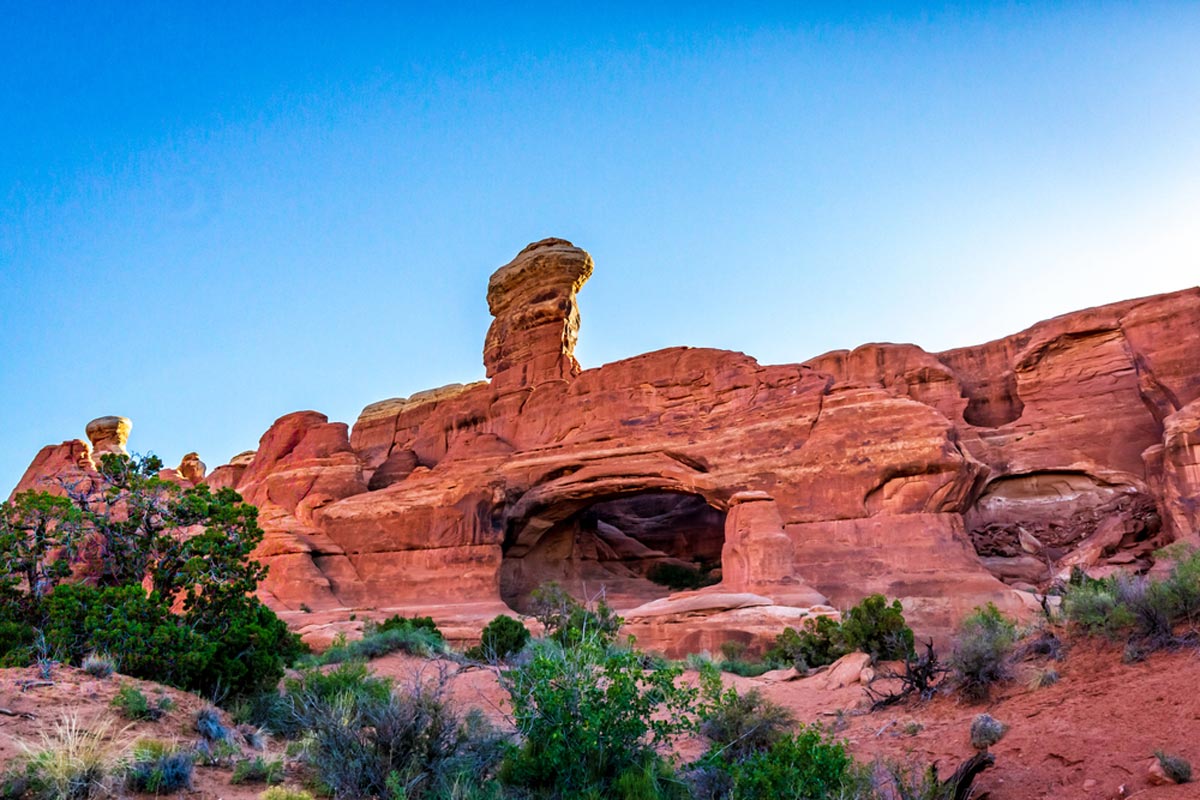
<point>939,478</point>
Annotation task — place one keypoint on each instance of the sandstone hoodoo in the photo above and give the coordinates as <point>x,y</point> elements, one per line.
<point>947,480</point>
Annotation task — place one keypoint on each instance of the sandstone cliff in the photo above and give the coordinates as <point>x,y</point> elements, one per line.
<point>945,479</point>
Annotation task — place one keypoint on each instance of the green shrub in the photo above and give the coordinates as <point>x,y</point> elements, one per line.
<point>1137,608</point>
<point>681,577</point>
<point>257,770</point>
<point>872,626</point>
<point>351,681</point>
<point>982,655</point>
<point>159,768</point>
<point>501,637</point>
<point>153,645</point>
<point>807,764</point>
<point>737,725</point>
<point>409,743</point>
<point>399,623</point>
<point>269,710</point>
<point>133,704</point>
<point>567,621</point>
<point>222,641</point>
<point>746,668</point>
<point>877,628</point>
<point>819,642</point>
<point>418,641</point>
<point>588,713</point>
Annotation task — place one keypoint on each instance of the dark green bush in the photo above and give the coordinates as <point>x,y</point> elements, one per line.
<point>269,710</point>
<point>877,628</point>
<point>982,655</point>
<point>501,637</point>
<point>680,577</point>
<point>872,626</point>
<point>807,764</point>
<point>239,654</point>
<point>819,642</point>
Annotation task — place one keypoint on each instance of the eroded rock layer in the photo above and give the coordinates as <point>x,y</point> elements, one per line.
<point>945,479</point>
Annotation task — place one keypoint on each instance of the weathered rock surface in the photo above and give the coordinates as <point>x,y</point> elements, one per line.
<point>939,478</point>
<point>108,435</point>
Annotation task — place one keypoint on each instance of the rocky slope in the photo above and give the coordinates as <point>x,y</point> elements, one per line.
<point>945,479</point>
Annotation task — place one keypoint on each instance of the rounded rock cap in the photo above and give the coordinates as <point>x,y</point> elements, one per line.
<point>109,434</point>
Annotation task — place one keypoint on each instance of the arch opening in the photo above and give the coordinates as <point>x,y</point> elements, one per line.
<point>635,547</point>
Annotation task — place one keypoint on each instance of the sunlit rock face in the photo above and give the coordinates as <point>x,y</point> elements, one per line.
<point>109,435</point>
<point>947,480</point>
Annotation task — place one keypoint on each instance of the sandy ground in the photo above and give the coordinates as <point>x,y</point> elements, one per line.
<point>1091,735</point>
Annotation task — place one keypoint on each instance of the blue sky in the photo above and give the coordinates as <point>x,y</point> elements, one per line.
<point>215,214</point>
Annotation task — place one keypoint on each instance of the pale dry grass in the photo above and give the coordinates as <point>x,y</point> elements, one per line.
<point>74,761</point>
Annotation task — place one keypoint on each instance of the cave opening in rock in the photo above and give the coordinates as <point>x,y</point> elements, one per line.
<point>633,548</point>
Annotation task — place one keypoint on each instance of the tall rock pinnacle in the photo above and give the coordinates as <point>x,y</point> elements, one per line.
<point>536,321</point>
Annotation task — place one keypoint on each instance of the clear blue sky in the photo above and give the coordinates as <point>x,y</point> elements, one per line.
<point>213,214</point>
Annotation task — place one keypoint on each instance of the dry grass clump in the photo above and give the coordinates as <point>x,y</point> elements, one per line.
<point>71,761</point>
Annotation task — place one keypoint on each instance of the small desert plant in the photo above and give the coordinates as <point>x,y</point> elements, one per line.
<point>986,730</point>
<point>270,711</point>
<point>158,768</point>
<point>736,724</point>
<point>133,704</point>
<point>408,743</point>
<point>1176,768</point>
<point>501,637</point>
<point>351,679</point>
<point>98,665</point>
<point>209,725</point>
<point>746,669</point>
<point>74,762</point>
<point>1044,678</point>
<point>257,770</point>
<point>418,640</point>
<point>567,621</point>
<point>283,793</point>
<point>982,654</point>
<point>219,753</point>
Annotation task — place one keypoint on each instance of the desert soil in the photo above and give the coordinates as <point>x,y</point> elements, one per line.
<point>1091,735</point>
